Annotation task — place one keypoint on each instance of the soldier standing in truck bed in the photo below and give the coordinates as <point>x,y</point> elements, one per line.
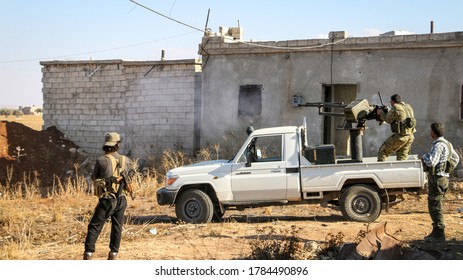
<point>403,123</point>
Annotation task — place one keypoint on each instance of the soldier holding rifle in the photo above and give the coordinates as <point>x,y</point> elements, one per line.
<point>403,123</point>
<point>110,182</point>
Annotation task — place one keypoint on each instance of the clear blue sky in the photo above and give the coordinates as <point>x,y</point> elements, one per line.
<point>43,30</point>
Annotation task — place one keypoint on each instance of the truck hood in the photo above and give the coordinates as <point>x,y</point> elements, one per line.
<point>210,162</point>
<point>196,168</point>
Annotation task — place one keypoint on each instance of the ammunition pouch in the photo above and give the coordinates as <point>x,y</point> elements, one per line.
<point>450,166</point>
<point>99,186</point>
<point>409,122</point>
<point>408,125</point>
<point>450,163</point>
<point>396,127</point>
<point>102,188</point>
<point>405,127</point>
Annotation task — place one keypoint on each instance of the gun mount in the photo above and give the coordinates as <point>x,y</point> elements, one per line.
<point>357,111</point>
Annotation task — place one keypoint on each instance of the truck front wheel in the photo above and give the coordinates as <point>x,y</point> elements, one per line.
<point>361,203</point>
<point>194,206</point>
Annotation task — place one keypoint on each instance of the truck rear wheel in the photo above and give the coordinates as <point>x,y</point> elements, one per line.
<point>361,203</point>
<point>194,206</point>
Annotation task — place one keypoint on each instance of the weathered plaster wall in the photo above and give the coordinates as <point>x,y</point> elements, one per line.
<point>426,70</point>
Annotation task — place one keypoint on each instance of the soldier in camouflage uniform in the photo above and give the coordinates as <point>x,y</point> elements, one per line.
<point>438,179</point>
<point>402,121</point>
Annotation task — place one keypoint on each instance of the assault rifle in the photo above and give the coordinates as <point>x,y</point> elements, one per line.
<point>373,114</point>
<point>126,186</point>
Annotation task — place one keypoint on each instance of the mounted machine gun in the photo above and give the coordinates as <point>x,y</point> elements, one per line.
<point>357,111</point>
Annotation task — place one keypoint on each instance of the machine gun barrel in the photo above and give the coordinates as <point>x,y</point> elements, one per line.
<point>381,99</point>
<point>323,106</point>
<point>357,111</point>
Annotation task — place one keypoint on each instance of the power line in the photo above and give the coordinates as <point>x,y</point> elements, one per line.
<point>92,52</point>
<point>247,43</point>
<point>177,21</point>
<point>172,7</point>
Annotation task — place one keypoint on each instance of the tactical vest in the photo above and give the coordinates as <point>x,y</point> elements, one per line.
<point>448,165</point>
<point>106,187</point>
<point>406,126</point>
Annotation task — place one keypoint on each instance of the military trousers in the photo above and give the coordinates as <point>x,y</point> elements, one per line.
<point>107,208</point>
<point>437,187</point>
<point>399,144</point>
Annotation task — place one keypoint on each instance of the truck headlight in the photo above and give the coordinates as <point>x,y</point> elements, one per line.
<point>171,179</point>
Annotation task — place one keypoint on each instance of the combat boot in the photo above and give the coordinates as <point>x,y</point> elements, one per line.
<point>437,235</point>
<point>112,255</point>
<point>87,256</point>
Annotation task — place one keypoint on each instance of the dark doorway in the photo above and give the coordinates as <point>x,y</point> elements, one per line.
<point>332,126</point>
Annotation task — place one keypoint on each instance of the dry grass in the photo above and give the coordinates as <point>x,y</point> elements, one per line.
<point>279,245</point>
<point>286,245</point>
<point>30,218</point>
<point>33,121</point>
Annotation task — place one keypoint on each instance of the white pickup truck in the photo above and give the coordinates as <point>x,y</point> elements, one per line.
<point>272,168</point>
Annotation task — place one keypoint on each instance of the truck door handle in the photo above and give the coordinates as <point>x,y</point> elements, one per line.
<point>243,173</point>
<point>275,171</point>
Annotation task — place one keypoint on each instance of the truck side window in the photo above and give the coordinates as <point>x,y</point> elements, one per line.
<point>267,148</point>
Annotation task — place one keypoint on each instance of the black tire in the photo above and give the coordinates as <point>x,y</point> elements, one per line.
<point>194,206</point>
<point>361,203</point>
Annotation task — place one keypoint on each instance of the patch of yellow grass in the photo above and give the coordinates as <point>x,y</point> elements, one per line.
<point>33,121</point>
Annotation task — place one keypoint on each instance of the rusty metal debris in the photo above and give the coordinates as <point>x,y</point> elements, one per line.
<point>376,245</point>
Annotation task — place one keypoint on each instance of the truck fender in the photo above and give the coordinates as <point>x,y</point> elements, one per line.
<point>207,187</point>
<point>373,181</point>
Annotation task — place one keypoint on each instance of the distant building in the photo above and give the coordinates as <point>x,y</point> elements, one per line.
<point>31,110</point>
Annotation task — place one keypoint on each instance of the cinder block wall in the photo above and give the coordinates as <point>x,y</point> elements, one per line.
<point>154,105</point>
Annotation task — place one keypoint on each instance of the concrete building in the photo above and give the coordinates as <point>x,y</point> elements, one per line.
<point>154,105</point>
<point>258,82</point>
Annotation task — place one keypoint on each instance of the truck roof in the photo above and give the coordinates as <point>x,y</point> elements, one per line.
<point>278,129</point>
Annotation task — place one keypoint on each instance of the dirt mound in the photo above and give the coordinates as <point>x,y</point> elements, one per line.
<point>26,152</point>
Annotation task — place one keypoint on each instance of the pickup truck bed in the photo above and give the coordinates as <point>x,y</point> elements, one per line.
<point>386,175</point>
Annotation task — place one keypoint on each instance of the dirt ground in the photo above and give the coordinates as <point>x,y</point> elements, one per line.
<point>156,235</point>
<point>152,232</point>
